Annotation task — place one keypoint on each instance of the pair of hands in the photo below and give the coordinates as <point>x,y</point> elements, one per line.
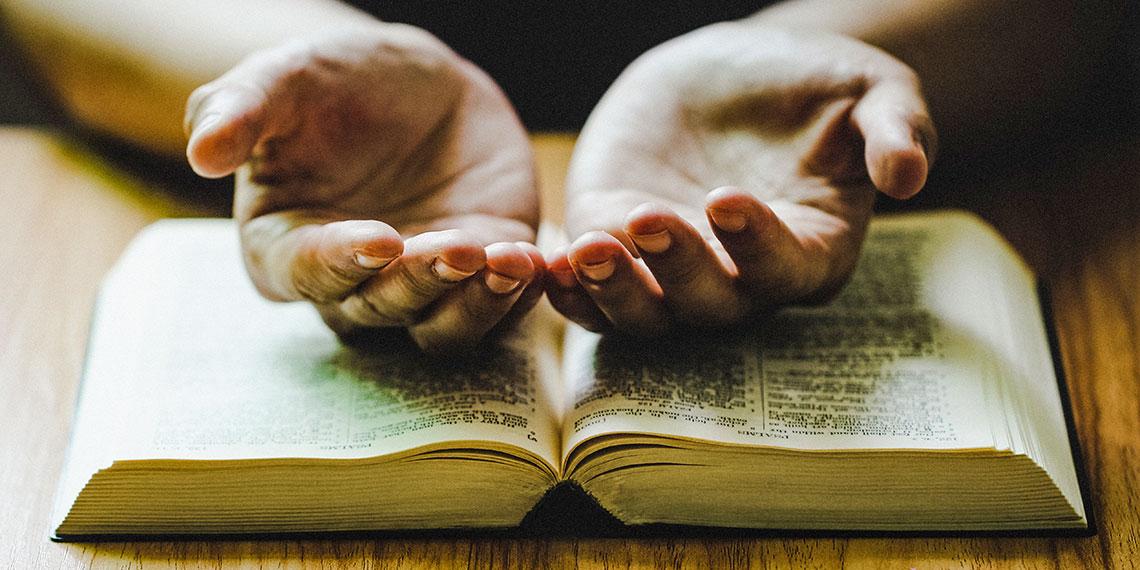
<point>728,171</point>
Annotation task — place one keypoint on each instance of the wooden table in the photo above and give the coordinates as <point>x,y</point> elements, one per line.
<point>66,213</point>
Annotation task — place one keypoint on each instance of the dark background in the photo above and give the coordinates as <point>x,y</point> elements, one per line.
<point>555,59</point>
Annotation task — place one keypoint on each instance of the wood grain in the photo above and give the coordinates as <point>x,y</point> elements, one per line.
<point>65,215</point>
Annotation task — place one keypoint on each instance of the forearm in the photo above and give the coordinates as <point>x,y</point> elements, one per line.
<point>987,67</point>
<point>126,68</point>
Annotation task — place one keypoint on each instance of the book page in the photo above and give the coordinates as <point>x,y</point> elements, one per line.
<point>898,361</point>
<point>187,361</point>
<point>1033,382</point>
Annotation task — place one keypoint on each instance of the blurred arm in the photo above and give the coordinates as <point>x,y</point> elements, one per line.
<point>126,68</point>
<point>987,67</point>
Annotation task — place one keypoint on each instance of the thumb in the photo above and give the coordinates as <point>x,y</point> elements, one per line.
<point>224,120</point>
<point>300,255</point>
<point>899,137</point>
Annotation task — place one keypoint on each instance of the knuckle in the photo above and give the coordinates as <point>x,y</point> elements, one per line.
<point>365,309</point>
<point>418,286</point>
<point>309,288</point>
<point>484,313</point>
<point>684,274</point>
<point>343,275</point>
<point>316,279</point>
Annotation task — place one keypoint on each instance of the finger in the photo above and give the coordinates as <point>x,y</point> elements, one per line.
<point>224,120</point>
<point>606,211</point>
<point>467,312</point>
<point>620,287</point>
<point>532,291</point>
<point>432,264</point>
<point>899,136</point>
<point>293,256</point>
<point>770,260</point>
<point>698,288</point>
<point>567,295</point>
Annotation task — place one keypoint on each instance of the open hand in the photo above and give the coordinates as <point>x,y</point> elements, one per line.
<point>379,176</point>
<point>730,171</point>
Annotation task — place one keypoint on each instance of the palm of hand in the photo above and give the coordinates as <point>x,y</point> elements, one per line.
<point>780,117</point>
<point>375,176</point>
<point>419,140</point>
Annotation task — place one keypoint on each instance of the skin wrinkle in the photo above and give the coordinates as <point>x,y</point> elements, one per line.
<point>264,231</point>
<point>837,153</point>
<point>340,154</point>
<point>979,57</point>
<point>771,116</point>
<point>709,135</point>
<point>418,159</point>
<point>395,57</point>
<point>765,109</point>
<point>441,203</point>
<point>792,106</point>
<point>382,317</point>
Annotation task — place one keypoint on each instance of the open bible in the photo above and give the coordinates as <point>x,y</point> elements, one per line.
<point>923,398</point>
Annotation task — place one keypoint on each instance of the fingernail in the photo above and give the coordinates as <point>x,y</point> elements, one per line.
<point>924,143</point>
<point>565,279</point>
<point>449,273</point>
<point>369,262</point>
<point>653,243</point>
<point>599,271</point>
<point>728,221</point>
<point>208,122</point>
<point>500,284</point>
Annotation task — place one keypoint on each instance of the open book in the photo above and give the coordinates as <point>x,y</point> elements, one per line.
<point>924,398</point>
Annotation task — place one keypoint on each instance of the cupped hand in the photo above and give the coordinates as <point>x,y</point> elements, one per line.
<point>379,176</point>
<point>731,171</point>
